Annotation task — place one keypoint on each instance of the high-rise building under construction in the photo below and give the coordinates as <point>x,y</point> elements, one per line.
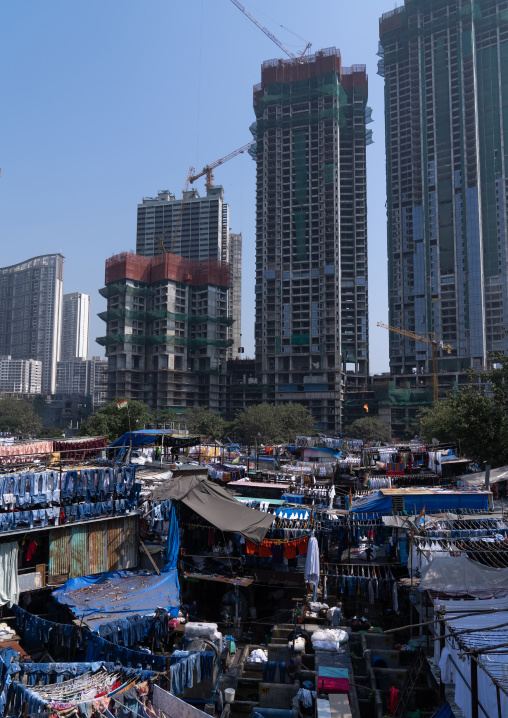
<point>445,64</point>
<point>311,325</point>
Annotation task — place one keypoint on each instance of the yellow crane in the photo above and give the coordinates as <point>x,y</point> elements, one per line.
<point>208,169</point>
<point>179,219</point>
<point>435,346</point>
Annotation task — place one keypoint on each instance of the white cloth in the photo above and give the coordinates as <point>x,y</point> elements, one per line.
<point>9,586</point>
<point>446,666</point>
<point>257,656</point>
<point>312,562</point>
<point>172,706</point>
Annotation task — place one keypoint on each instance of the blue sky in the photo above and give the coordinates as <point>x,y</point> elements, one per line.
<point>106,102</point>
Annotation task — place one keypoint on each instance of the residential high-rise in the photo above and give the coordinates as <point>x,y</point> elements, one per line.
<point>72,377</point>
<point>445,64</point>
<point>235,294</point>
<point>311,325</point>
<point>75,326</point>
<point>31,313</point>
<point>20,376</point>
<point>98,381</point>
<point>196,228</point>
<point>167,330</point>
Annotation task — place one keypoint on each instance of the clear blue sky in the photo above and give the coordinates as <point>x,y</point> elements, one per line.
<point>106,102</point>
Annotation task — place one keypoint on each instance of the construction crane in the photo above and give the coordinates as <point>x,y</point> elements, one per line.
<point>208,169</point>
<point>435,346</point>
<point>179,218</point>
<point>297,58</point>
<point>161,244</point>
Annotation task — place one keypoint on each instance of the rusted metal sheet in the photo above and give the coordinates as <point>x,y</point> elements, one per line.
<point>114,545</point>
<point>59,551</point>
<point>97,536</point>
<point>122,548</point>
<point>130,543</point>
<point>79,551</point>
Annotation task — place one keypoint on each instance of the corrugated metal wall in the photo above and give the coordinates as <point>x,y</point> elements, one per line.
<point>89,549</point>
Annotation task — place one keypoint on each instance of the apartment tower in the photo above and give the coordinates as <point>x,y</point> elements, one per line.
<point>196,228</point>
<point>75,326</point>
<point>445,64</point>
<point>167,329</point>
<point>31,313</point>
<point>311,326</point>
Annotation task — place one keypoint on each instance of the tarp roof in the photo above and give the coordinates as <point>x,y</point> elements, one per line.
<point>459,575</point>
<point>118,594</point>
<point>478,478</point>
<point>149,436</point>
<point>218,506</point>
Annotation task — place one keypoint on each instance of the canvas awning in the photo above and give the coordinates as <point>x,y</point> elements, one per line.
<point>217,506</point>
<point>459,575</point>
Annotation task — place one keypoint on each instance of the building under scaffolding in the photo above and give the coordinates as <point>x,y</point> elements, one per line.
<point>167,330</point>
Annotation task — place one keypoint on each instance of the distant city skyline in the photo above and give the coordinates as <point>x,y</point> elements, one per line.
<point>94,149</point>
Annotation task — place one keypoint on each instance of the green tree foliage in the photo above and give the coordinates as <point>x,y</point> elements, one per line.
<point>369,428</point>
<point>112,422</point>
<point>293,420</point>
<point>17,416</point>
<point>204,421</point>
<point>474,421</point>
<point>268,424</point>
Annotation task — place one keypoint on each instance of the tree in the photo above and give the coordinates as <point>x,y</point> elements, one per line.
<point>293,419</point>
<point>17,416</point>
<point>268,424</point>
<point>113,422</point>
<point>473,421</point>
<point>256,423</point>
<point>369,428</point>
<point>204,421</point>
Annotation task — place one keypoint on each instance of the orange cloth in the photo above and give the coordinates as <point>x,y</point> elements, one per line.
<point>265,550</point>
<point>291,550</point>
<point>250,548</point>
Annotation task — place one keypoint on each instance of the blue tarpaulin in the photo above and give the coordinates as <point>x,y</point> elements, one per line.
<point>377,506</point>
<point>444,712</point>
<point>437,502</point>
<point>119,594</point>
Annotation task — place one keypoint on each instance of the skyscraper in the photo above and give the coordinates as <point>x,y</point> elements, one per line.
<point>311,325</point>
<point>167,330</point>
<point>75,326</point>
<point>445,64</point>
<point>31,313</point>
<point>198,227</point>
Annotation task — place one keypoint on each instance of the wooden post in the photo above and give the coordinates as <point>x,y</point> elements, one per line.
<point>474,687</point>
<point>168,675</point>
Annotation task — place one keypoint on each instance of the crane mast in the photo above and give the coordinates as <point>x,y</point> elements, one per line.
<point>208,169</point>
<point>297,58</point>
<point>435,346</point>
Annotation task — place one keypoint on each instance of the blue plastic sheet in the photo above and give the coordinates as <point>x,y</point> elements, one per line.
<point>119,594</point>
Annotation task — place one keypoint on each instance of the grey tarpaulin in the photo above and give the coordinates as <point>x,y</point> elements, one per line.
<point>218,506</point>
<point>459,575</point>
<point>9,587</point>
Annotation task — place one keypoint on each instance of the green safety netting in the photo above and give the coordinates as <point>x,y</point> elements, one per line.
<point>190,342</point>
<point>111,289</point>
<point>300,339</point>
<point>189,318</point>
<point>300,218</point>
<point>150,316</point>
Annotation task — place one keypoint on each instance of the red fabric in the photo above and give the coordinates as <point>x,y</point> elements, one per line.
<point>334,685</point>
<point>250,548</point>
<point>30,550</point>
<point>302,546</point>
<point>394,697</point>
<point>265,550</point>
<point>291,550</point>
